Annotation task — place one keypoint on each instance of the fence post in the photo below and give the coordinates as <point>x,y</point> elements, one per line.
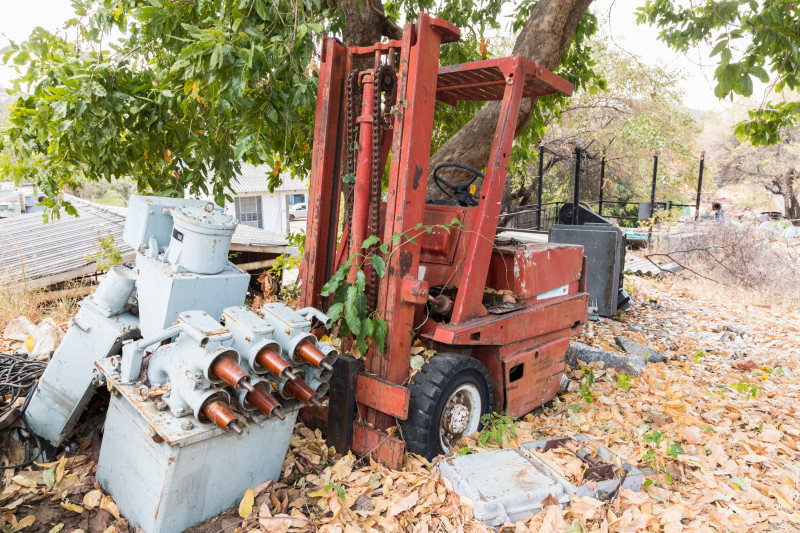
<point>577,190</point>
<point>539,196</point>
<point>653,197</point>
<point>602,184</point>
<point>699,184</point>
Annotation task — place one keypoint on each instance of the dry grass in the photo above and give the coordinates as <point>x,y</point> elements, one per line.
<point>736,261</point>
<point>36,304</point>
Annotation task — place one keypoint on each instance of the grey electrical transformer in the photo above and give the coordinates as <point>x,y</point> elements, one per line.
<point>204,390</point>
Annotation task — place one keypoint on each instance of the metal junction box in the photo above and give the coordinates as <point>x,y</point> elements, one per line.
<point>168,293</point>
<point>604,249</point>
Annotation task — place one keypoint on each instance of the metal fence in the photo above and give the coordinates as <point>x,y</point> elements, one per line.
<point>541,216</point>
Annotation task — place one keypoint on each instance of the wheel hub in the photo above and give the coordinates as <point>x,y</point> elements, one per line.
<point>457,419</point>
<point>460,416</point>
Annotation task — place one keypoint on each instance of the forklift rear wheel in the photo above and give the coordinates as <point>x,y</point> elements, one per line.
<point>449,395</point>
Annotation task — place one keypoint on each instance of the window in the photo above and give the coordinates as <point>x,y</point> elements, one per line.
<point>248,211</point>
<point>296,199</point>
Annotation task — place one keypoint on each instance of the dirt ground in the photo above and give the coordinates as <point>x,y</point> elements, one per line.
<point>715,429</point>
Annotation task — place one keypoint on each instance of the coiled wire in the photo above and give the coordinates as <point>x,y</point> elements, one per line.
<point>18,378</point>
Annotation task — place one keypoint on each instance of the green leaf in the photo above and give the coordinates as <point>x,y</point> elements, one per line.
<point>380,333</point>
<point>351,315</point>
<point>725,58</point>
<point>720,46</point>
<point>384,248</point>
<point>349,178</point>
<point>49,476</point>
<point>369,241</point>
<point>759,73</point>
<point>335,311</point>
<point>361,281</point>
<point>739,482</point>
<point>378,264</point>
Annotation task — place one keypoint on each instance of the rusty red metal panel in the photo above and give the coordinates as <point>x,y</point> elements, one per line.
<point>531,270</point>
<point>408,179</point>
<point>479,251</point>
<point>531,376</point>
<point>382,396</point>
<point>486,80</point>
<point>378,445</point>
<point>439,246</point>
<point>323,214</point>
<point>564,313</point>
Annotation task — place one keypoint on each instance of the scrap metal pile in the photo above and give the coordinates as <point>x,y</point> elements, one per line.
<point>194,374</point>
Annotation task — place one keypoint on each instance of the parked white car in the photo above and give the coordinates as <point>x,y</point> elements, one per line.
<point>298,212</point>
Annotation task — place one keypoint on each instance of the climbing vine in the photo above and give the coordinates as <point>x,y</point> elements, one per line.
<point>348,292</point>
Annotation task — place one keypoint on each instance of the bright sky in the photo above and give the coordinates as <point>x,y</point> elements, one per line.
<point>20,17</point>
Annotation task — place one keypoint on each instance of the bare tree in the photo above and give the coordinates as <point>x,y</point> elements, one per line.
<point>777,168</point>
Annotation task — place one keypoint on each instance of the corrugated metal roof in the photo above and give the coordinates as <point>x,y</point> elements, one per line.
<point>34,249</point>
<point>250,236</point>
<point>254,179</point>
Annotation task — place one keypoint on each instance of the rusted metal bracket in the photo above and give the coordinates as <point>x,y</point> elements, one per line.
<point>379,445</point>
<point>383,396</point>
<point>414,291</point>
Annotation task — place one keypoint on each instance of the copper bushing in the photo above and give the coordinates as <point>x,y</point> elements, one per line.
<point>310,354</point>
<point>264,401</point>
<point>300,390</point>
<point>273,362</point>
<point>219,413</point>
<point>229,371</point>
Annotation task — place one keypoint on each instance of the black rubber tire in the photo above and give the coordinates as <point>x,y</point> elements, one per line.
<point>431,388</point>
<point>291,218</point>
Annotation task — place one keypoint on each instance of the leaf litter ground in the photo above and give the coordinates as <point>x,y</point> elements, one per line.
<point>714,428</point>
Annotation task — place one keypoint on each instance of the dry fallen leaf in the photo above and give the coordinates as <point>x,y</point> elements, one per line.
<point>246,505</point>
<point>92,499</point>
<point>75,508</point>
<point>25,482</point>
<point>404,504</point>
<point>25,522</point>
<point>108,505</point>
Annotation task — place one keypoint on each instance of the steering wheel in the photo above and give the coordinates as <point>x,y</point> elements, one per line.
<point>460,191</point>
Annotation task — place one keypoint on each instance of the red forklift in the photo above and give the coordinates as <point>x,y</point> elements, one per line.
<point>499,316</point>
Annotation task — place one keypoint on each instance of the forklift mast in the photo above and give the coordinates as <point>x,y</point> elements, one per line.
<point>435,285</point>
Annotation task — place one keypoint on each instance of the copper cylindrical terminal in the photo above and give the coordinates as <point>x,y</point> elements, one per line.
<point>264,401</point>
<point>311,354</point>
<point>274,363</point>
<point>218,412</point>
<point>300,390</point>
<point>229,371</point>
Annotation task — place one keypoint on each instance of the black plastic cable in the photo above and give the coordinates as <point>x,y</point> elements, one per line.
<point>18,378</point>
<point>18,375</point>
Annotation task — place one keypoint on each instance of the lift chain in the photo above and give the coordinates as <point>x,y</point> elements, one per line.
<point>384,80</point>
<point>350,149</point>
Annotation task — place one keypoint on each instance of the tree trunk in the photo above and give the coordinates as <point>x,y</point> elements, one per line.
<point>543,40</point>
<point>365,23</point>
<point>791,205</point>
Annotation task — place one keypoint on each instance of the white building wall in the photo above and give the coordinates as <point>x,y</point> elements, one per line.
<point>275,213</point>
